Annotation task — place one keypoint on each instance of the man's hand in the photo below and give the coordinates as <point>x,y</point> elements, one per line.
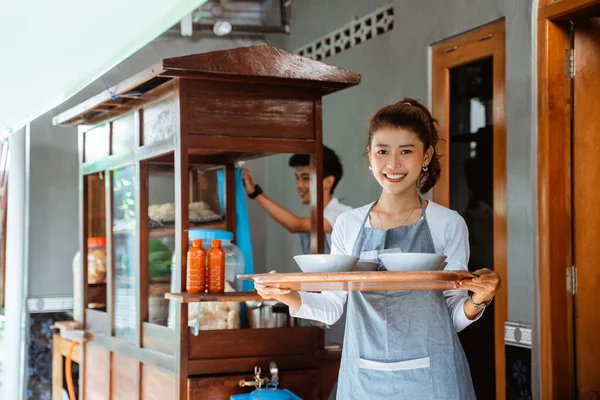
<point>248,182</point>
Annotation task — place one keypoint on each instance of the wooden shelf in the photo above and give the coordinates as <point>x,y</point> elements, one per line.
<point>228,296</point>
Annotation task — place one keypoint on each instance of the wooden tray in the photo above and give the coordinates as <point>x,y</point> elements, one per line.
<point>377,280</point>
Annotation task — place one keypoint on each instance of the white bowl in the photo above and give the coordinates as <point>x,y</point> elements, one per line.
<point>412,261</point>
<point>325,262</point>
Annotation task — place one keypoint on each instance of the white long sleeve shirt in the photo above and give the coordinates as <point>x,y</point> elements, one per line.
<point>450,238</point>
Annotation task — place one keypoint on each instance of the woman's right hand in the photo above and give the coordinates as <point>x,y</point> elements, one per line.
<point>269,292</point>
<point>286,296</point>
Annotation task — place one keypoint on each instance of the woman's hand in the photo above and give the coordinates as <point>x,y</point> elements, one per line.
<point>484,286</point>
<point>286,296</point>
<point>268,292</point>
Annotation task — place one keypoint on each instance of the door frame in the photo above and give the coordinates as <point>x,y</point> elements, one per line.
<point>558,379</point>
<point>479,43</point>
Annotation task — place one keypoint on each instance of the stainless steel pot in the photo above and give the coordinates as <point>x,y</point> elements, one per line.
<point>268,314</point>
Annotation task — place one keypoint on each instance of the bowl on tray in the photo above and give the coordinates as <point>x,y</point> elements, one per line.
<point>412,261</point>
<point>325,262</point>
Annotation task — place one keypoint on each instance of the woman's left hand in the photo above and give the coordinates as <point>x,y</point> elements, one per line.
<point>484,286</point>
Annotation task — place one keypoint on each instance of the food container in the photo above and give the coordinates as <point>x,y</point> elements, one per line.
<point>234,258</point>
<point>268,314</point>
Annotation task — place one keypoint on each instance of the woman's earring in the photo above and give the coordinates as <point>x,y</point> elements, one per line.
<point>370,168</point>
<point>425,167</point>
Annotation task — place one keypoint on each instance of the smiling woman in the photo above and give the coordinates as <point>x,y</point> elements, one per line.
<point>388,335</point>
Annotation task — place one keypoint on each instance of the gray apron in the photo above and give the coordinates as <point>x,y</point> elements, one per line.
<point>400,344</point>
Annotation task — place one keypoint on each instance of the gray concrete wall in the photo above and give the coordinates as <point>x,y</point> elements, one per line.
<point>395,65</point>
<point>53,229</point>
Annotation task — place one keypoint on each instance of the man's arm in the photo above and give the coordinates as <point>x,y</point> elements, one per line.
<point>282,215</point>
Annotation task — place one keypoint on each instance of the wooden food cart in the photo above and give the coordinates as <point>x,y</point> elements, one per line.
<point>178,117</point>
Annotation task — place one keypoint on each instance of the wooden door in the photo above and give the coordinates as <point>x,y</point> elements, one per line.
<point>586,212</point>
<point>468,87</point>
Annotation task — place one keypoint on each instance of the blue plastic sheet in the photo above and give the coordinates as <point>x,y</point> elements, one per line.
<point>246,396</point>
<point>242,230</point>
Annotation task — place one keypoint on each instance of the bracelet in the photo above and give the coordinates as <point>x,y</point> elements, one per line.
<point>479,305</point>
<point>257,191</point>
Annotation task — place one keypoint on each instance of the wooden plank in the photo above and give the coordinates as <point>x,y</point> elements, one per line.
<point>82,239</point>
<point>63,348</point>
<point>97,321</point>
<point>147,356</point>
<point>251,90</point>
<point>97,372</point>
<point>251,145</point>
<point>328,372</point>
<point>123,135</point>
<point>110,253</point>
<point>586,215</point>
<point>227,296</point>
<point>124,378</point>
<point>158,384</point>
<point>318,89</point>
<point>161,119</point>
<point>181,239</point>
<point>72,115</point>
<point>97,143</point>
<point>500,207</point>
<point>317,232</point>
<point>564,10</point>
<point>159,338</point>
<point>57,368</point>
<point>108,163</point>
<point>556,336</point>
<point>242,111</point>
<point>162,89</point>
<point>143,273</point>
<point>123,160</point>
<point>142,266</point>
<point>262,61</point>
<point>385,280</point>
<point>244,364</point>
<point>240,343</point>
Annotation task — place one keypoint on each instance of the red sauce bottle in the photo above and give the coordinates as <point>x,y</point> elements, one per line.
<point>196,268</point>
<point>216,268</point>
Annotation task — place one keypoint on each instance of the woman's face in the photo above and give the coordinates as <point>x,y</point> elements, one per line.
<point>397,157</point>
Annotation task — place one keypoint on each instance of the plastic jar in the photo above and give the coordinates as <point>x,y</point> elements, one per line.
<point>96,269</point>
<point>234,258</point>
<point>96,260</point>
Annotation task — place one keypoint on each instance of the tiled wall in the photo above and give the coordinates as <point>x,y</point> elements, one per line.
<point>39,385</point>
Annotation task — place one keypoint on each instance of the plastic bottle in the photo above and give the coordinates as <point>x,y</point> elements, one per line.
<point>196,268</point>
<point>234,258</point>
<point>216,268</point>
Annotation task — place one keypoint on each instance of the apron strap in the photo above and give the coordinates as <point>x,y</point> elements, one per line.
<point>367,215</point>
<point>422,207</point>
